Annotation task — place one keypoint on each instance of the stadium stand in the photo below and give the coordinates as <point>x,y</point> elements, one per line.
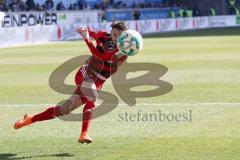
<point>24,5</point>
<point>133,9</point>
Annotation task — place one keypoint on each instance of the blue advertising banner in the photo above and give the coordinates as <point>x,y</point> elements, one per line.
<point>118,15</point>
<point>144,14</point>
<point>154,13</point>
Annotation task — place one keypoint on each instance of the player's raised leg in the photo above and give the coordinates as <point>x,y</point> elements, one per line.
<point>69,105</point>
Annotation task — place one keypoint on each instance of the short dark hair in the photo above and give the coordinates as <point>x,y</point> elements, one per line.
<point>119,25</point>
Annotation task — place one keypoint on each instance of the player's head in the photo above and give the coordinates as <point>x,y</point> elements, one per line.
<point>105,43</point>
<point>117,29</point>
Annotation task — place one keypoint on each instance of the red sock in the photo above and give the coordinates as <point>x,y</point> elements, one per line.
<point>50,113</point>
<point>87,115</point>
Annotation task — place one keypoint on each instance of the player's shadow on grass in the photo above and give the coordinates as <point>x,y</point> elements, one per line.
<point>12,156</point>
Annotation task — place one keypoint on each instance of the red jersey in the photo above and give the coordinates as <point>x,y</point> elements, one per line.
<point>104,60</point>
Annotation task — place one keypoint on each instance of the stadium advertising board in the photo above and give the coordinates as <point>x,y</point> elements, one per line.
<point>18,36</point>
<point>147,26</point>
<point>166,25</point>
<point>68,32</point>
<point>28,19</point>
<point>143,14</point>
<point>11,37</point>
<point>238,20</point>
<point>1,16</point>
<point>118,15</point>
<point>82,17</point>
<point>132,25</point>
<point>184,23</point>
<point>200,22</point>
<point>67,24</point>
<point>222,21</point>
<point>51,18</point>
<point>154,13</point>
<point>41,34</point>
<point>101,26</point>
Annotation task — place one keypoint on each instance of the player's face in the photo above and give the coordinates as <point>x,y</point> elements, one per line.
<point>115,33</point>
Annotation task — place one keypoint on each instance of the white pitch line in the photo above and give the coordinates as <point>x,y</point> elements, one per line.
<point>124,104</point>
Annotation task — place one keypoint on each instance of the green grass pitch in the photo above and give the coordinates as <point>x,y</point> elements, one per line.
<point>205,74</point>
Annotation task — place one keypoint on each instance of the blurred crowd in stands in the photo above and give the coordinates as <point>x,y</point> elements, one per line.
<point>52,5</point>
<point>233,6</point>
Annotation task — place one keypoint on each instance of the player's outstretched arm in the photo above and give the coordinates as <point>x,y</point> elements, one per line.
<point>85,35</point>
<point>92,33</point>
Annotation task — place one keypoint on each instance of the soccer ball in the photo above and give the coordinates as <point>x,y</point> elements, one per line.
<point>130,42</point>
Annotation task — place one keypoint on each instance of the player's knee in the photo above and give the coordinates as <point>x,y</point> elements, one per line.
<point>89,90</point>
<point>92,98</point>
<point>89,107</point>
<point>93,95</point>
<point>65,108</point>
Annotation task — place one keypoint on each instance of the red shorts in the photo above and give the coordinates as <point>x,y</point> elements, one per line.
<point>83,74</point>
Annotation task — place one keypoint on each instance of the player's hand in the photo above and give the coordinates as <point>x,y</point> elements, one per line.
<point>83,32</point>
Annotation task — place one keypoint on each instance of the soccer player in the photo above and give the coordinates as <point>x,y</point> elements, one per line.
<point>89,79</point>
